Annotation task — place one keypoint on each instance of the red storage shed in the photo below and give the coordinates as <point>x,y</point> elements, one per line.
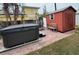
<point>64,19</point>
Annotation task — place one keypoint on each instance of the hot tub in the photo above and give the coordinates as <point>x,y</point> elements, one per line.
<point>18,34</point>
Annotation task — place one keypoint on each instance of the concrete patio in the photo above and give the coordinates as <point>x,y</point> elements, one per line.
<point>51,37</point>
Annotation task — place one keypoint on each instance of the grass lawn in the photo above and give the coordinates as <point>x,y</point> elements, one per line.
<point>66,46</point>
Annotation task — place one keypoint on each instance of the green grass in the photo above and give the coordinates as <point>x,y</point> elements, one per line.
<point>66,46</point>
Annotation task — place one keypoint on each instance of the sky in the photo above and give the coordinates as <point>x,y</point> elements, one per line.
<point>50,6</point>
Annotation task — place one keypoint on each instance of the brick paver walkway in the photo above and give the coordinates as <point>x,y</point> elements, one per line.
<point>50,37</point>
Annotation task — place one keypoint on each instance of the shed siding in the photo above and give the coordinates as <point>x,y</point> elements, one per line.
<point>65,20</point>
<point>58,20</point>
<point>48,20</point>
<point>68,20</point>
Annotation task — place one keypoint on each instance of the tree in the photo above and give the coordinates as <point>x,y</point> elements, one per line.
<point>6,11</point>
<point>37,17</point>
<point>44,10</point>
<point>15,9</point>
<point>22,13</point>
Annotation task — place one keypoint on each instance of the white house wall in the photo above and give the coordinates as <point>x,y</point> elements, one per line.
<point>77,19</point>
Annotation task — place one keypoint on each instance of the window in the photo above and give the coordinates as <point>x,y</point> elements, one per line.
<point>51,16</point>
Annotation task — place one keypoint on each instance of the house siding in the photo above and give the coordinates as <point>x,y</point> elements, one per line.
<point>77,19</point>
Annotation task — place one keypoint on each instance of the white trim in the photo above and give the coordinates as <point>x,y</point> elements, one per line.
<point>44,22</point>
<point>50,16</point>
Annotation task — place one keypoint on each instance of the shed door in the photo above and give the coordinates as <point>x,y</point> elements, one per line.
<point>69,20</point>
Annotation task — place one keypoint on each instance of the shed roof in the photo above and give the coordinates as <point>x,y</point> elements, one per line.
<point>65,9</point>
<point>60,10</point>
